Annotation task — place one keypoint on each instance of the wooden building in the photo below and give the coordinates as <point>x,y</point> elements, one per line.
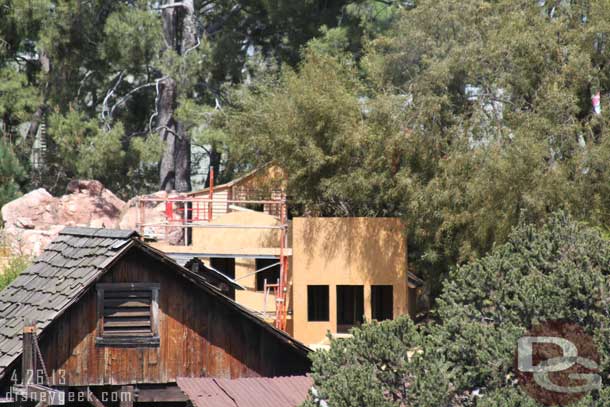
<point>267,181</point>
<point>111,312</point>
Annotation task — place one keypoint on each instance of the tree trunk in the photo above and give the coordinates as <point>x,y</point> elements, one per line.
<point>38,116</point>
<point>175,166</point>
<point>168,133</point>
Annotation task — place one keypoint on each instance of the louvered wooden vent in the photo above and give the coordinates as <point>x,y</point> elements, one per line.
<point>128,314</point>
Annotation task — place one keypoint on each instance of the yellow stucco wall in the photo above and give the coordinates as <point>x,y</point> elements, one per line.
<point>345,251</point>
<point>242,241</point>
<point>228,240</point>
<point>325,251</point>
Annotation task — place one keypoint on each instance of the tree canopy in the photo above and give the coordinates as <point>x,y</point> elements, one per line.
<point>461,117</point>
<point>121,77</point>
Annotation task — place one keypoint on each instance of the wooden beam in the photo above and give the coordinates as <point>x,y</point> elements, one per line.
<point>28,359</point>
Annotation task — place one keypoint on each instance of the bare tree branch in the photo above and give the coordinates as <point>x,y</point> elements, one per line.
<point>131,92</point>
<point>156,113</point>
<point>82,82</point>
<point>166,129</point>
<point>109,94</point>
<point>193,47</point>
<point>207,151</point>
<point>171,5</point>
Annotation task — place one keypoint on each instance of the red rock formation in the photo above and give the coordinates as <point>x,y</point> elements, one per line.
<point>32,221</point>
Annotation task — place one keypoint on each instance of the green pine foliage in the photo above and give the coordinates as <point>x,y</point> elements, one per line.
<point>465,357</point>
<point>87,151</point>
<point>11,174</point>
<point>90,72</point>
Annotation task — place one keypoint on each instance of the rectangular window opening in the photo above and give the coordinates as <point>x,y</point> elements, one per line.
<point>382,302</point>
<point>350,307</point>
<point>127,314</point>
<point>271,272</point>
<point>317,303</point>
<point>226,265</point>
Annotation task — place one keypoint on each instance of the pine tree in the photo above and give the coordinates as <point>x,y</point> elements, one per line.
<point>11,174</point>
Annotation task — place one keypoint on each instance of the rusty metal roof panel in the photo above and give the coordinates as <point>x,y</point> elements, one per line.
<point>285,391</point>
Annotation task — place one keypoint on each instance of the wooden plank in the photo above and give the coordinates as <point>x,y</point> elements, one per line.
<point>134,331</point>
<point>128,286</point>
<point>100,310</point>
<point>28,359</point>
<point>119,345</point>
<point>127,294</point>
<point>126,303</point>
<point>127,323</point>
<point>121,312</point>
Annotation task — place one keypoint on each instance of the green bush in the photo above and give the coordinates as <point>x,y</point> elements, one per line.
<point>14,267</point>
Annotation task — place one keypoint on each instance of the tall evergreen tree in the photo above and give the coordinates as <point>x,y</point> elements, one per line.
<point>11,173</point>
<point>131,67</point>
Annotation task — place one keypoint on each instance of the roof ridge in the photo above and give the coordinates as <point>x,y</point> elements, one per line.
<point>99,232</point>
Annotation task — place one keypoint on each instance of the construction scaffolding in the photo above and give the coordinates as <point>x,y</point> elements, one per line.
<point>182,214</point>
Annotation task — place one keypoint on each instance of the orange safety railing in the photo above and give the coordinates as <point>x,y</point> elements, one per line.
<point>185,212</point>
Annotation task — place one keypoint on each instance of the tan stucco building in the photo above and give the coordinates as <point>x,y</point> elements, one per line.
<point>341,271</point>
<point>354,268</point>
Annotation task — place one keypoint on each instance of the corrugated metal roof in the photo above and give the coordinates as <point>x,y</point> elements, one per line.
<point>286,391</point>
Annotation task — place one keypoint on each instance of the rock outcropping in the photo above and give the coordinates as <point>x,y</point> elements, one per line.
<point>33,220</point>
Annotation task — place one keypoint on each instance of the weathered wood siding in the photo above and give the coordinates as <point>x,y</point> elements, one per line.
<point>199,336</point>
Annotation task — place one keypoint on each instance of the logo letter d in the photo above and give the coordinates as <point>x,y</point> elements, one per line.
<point>525,354</point>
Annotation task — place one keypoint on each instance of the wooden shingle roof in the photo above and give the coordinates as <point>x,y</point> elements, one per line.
<point>54,281</point>
<point>61,275</point>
